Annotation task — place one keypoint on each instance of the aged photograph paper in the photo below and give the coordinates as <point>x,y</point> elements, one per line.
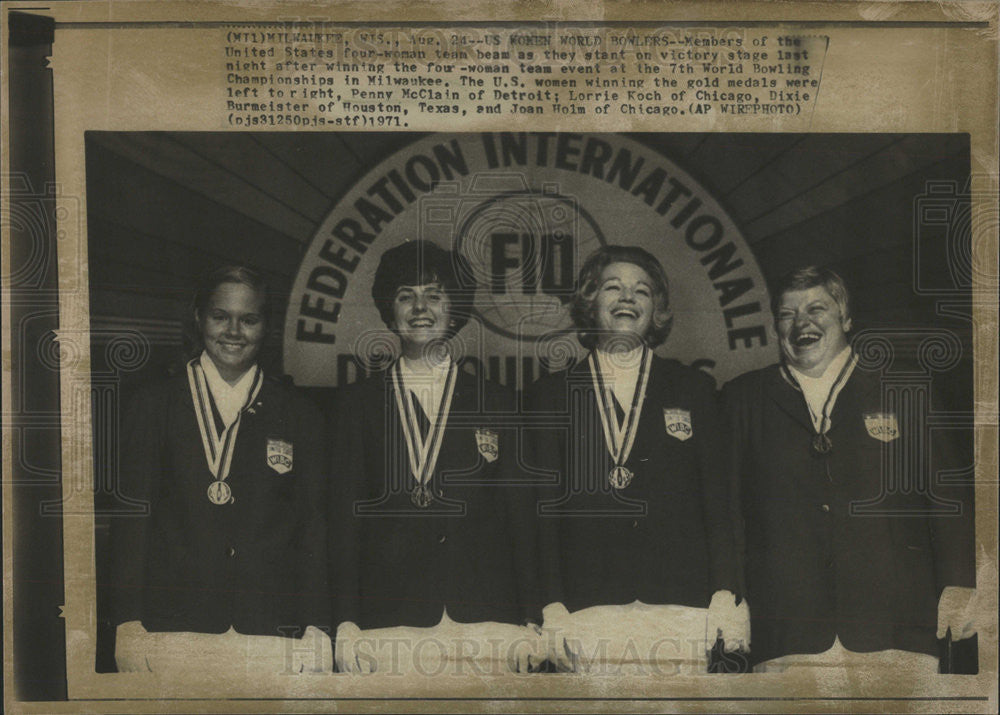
<point>456,357</point>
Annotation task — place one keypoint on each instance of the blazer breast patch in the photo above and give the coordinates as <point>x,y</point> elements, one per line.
<point>678,423</point>
<point>279,455</point>
<point>882,426</point>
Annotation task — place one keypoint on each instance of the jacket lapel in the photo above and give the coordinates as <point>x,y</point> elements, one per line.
<point>464,398</point>
<point>788,397</point>
<point>860,391</point>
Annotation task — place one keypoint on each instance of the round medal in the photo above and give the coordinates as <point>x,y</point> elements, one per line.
<point>421,497</point>
<point>821,444</point>
<point>620,477</point>
<point>219,492</point>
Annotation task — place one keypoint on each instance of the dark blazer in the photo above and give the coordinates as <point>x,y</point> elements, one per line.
<point>668,537</point>
<point>816,569</point>
<point>257,564</point>
<point>469,551</point>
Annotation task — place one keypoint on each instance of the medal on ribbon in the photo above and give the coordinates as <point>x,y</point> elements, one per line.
<point>620,477</point>
<point>219,492</point>
<point>821,444</point>
<point>218,447</point>
<point>421,496</point>
<point>423,452</point>
<point>620,436</point>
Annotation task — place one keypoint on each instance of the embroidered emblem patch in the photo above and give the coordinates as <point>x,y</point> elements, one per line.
<point>488,443</point>
<point>279,455</point>
<point>678,423</point>
<point>882,426</point>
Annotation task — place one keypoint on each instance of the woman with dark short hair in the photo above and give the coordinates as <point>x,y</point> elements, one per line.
<point>435,488</point>
<point>641,514</point>
<point>230,463</point>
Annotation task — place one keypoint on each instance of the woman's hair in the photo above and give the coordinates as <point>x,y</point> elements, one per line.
<point>809,277</point>
<point>416,263</point>
<point>582,307</point>
<point>208,283</point>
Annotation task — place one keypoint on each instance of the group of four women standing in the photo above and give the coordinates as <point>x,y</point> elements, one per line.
<point>432,500</point>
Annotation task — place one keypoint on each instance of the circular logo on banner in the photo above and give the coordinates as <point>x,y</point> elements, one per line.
<point>525,211</point>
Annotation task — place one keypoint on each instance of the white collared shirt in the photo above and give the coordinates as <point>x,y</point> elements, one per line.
<point>426,386</point>
<point>816,390</point>
<point>620,372</point>
<point>229,399</point>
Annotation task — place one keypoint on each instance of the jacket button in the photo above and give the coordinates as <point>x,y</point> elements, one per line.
<point>635,524</point>
<point>825,507</point>
<point>232,551</point>
<point>441,540</point>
